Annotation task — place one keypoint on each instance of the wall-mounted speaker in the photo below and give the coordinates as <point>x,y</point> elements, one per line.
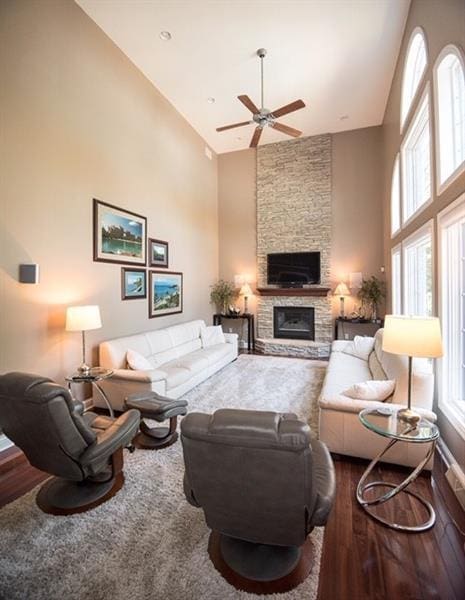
<point>29,273</point>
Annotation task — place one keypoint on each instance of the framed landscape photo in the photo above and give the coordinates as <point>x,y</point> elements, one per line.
<point>120,236</point>
<point>158,253</point>
<point>165,293</point>
<point>133,283</point>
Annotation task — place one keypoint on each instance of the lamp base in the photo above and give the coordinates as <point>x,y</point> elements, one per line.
<point>409,416</point>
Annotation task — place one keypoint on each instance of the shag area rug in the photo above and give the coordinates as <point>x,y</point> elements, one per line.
<point>147,542</point>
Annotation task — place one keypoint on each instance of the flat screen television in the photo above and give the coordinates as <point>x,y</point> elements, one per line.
<point>293,269</point>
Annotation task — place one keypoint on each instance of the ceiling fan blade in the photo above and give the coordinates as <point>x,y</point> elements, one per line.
<point>233,125</point>
<point>256,137</point>
<point>247,102</point>
<point>284,110</point>
<point>286,129</point>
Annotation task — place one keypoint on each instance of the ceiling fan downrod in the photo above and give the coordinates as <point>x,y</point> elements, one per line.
<point>261,52</point>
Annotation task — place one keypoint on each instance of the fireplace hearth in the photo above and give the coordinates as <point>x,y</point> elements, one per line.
<point>294,322</point>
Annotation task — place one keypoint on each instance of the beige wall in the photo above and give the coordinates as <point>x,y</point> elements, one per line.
<point>443,23</point>
<point>356,207</point>
<point>80,121</point>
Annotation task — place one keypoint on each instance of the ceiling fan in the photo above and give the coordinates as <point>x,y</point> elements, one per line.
<point>264,117</point>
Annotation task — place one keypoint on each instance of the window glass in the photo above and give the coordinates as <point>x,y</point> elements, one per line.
<point>418,273</point>
<point>415,65</point>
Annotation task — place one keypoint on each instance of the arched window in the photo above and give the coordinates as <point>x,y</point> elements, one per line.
<point>415,65</point>
<point>449,82</point>
<point>395,198</point>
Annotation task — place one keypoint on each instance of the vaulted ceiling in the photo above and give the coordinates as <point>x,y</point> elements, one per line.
<point>337,55</point>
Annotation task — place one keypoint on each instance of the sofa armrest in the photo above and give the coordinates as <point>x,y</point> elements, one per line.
<point>231,338</point>
<point>142,376</point>
<point>343,403</point>
<point>340,345</point>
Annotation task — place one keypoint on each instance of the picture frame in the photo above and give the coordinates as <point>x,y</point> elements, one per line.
<point>133,283</point>
<point>120,235</point>
<point>165,293</point>
<point>158,253</point>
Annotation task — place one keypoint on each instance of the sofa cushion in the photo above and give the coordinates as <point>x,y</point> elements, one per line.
<point>214,354</point>
<point>371,390</point>
<point>212,335</point>
<point>377,371</point>
<point>360,347</point>
<point>176,376</point>
<point>137,361</point>
<point>194,361</point>
<point>343,371</point>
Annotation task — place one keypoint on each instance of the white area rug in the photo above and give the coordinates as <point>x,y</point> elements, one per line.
<point>147,542</point>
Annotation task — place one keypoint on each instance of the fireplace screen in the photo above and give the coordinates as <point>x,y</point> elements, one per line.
<point>294,322</point>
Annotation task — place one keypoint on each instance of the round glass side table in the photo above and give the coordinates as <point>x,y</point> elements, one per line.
<point>95,375</point>
<point>384,421</point>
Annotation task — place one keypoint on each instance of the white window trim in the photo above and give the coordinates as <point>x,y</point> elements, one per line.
<point>394,250</point>
<point>420,209</point>
<point>396,165</point>
<point>428,227</point>
<point>407,117</point>
<point>455,418</point>
<point>440,187</point>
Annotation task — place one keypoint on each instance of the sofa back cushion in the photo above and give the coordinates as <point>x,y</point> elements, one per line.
<point>158,346</point>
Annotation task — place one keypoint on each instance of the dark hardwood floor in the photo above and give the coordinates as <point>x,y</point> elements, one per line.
<point>362,560</point>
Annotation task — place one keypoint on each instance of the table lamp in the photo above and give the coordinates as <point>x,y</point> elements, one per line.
<point>83,318</point>
<point>414,337</point>
<point>342,291</point>
<point>246,291</point>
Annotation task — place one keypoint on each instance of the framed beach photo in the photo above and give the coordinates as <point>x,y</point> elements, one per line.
<point>120,236</point>
<point>165,293</point>
<point>133,283</point>
<point>158,253</point>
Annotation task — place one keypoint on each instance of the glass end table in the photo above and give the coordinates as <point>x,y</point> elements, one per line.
<point>94,376</point>
<point>384,421</point>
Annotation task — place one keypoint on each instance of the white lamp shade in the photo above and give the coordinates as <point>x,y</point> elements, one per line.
<point>246,290</point>
<point>83,318</point>
<point>412,336</point>
<point>342,290</point>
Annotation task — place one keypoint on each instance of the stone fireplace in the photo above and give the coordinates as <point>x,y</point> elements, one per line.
<point>294,215</point>
<point>294,322</point>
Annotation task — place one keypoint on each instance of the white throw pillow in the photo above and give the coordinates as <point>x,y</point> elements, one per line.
<point>138,362</point>
<point>212,335</point>
<point>360,347</point>
<point>371,390</point>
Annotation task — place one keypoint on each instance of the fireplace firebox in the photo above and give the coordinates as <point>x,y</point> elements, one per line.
<point>294,322</point>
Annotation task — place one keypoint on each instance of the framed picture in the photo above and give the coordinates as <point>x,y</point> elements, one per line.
<point>165,293</point>
<point>158,253</point>
<point>120,236</point>
<point>133,283</point>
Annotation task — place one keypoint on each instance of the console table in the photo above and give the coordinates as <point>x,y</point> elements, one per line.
<point>218,317</point>
<point>347,329</point>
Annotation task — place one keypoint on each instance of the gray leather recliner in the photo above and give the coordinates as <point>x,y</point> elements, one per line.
<point>82,450</point>
<point>263,482</point>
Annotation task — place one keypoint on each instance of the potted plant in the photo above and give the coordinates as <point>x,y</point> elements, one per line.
<point>222,293</point>
<point>371,292</point>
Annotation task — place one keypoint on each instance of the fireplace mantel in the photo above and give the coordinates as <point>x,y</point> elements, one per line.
<point>315,290</point>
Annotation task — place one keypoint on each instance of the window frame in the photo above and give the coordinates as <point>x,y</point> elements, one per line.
<point>428,227</point>
<point>458,52</point>
<point>426,94</point>
<point>396,171</point>
<point>453,415</point>
<point>405,118</point>
<point>397,250</point>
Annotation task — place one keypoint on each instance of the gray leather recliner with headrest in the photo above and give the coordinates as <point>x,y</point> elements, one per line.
<point>82,450</point>
<point>262,481</point>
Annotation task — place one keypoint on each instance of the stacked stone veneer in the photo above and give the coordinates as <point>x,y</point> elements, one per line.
<point>294,215</point>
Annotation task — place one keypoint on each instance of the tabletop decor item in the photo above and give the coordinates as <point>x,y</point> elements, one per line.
<point>120,235</point>
<point>158,253</point>
<point>133,283</point>
<point>165,293</point>
<point>371,293</point>
<point>415,337</point>
<point>343,292</point>
<point>222,293</point>
<point>83,318</point>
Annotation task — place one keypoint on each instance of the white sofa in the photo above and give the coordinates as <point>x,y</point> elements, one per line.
<point>340,427</point>
<point>179,360</point>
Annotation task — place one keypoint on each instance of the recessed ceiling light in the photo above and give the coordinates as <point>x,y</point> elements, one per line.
<point>211,100</point>
<point>343,118</point>
<point>165,36</point>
